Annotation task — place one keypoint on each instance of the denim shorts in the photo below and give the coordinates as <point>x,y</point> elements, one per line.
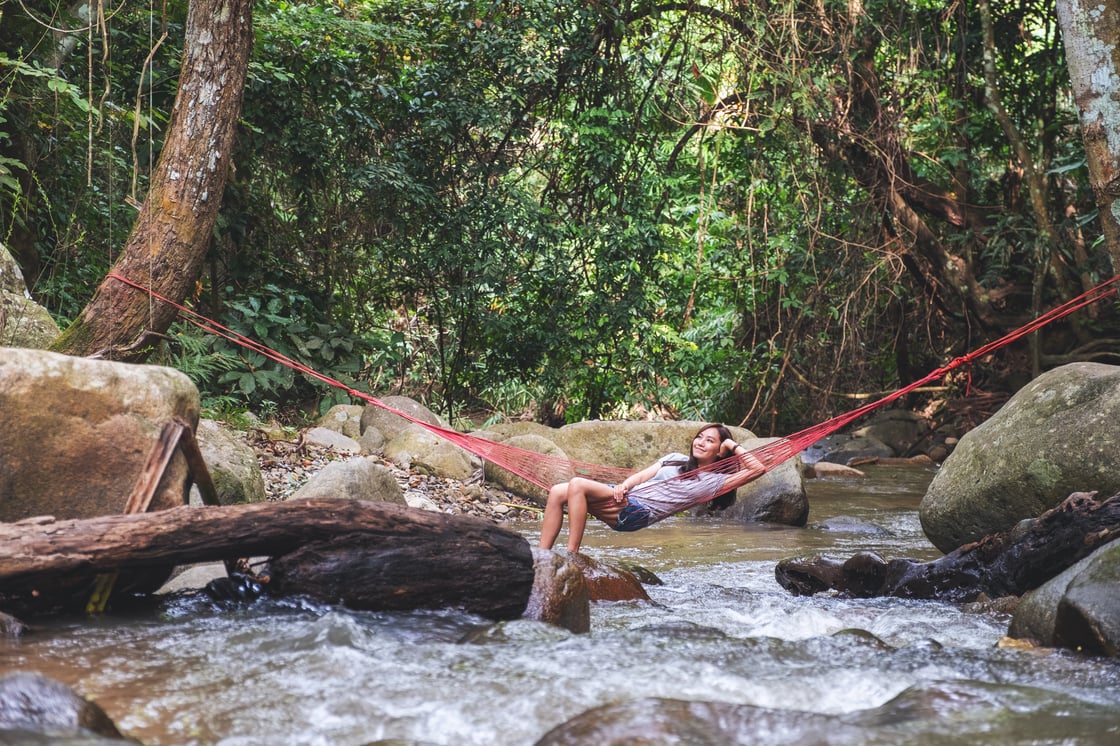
<point>633,517</point>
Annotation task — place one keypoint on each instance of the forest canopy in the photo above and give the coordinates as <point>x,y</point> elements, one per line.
<point>747,212</point>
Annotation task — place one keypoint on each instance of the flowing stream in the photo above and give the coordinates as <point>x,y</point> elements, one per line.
<point>720,629</point>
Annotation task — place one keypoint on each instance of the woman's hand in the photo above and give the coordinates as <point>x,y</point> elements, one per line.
<point>727,447</point>
<point>620,491</point>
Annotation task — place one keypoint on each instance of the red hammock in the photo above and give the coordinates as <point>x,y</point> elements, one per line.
<point>544,470</point>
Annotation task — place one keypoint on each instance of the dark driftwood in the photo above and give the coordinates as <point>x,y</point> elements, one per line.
<point>1004,564</point>
<point>429,560</point>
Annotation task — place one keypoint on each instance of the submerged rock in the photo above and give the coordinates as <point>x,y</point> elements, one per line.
<point>671,721</point>
<point>1077,609</point>
<point>36,704</point>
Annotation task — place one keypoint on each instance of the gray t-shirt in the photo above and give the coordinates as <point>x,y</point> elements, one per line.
<point>666,494</point>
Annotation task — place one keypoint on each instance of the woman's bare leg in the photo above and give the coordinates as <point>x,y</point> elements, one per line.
<point>578,495</point>
<point>553,515</point>
<point>582,492</point>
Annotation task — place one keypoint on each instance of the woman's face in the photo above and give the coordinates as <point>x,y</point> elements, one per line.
<point>705,446</point>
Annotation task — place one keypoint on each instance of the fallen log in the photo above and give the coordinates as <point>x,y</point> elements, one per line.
<point>422,559</point>
<point>1008,563</point>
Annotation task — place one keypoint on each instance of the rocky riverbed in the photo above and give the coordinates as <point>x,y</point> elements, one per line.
<point>289,463</point>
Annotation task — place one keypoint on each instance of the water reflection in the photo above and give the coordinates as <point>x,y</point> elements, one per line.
<point>719,629</point>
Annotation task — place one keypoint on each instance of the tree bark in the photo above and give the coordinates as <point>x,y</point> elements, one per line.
<point>1089,32</point>
<point>367,555</point>
<point>168,244</point>
<point>1004,564</point>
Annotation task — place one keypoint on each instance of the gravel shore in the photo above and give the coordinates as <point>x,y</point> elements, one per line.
<point>287,465</point>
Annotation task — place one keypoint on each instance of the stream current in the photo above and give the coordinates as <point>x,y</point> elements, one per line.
<point>720,629</point>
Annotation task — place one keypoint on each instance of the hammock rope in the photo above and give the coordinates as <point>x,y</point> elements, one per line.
<point>545,470</point>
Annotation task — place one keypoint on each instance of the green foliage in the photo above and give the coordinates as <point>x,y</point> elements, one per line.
<point>281,326</point>
<point>573,209</point>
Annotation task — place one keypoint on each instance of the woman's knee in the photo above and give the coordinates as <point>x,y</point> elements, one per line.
<point>558,493</point>
<point>582,484</point>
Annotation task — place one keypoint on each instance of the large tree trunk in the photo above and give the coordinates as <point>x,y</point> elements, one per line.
<point>1004,564</point>
<point>367,555</point>
<point>1090,31</point>
<point>172,234</point>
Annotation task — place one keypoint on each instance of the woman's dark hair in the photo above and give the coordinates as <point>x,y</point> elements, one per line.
<point>727,499</point>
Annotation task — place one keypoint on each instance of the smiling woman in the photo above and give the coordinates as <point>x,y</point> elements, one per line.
<point>715,467</point>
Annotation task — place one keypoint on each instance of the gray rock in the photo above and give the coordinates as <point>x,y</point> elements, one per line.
<point>33,702</point>
<point>345,419</point>
<point>11,276</point>
<point>193,577</point>
<point>844,449</point>
<point>503,431</point>
<point>899,429</point>
<point>420,501</point>
<point>10,627</point>
<point>1088,615</point>
<point>232,464</point>
<point>372,441</point>
<point>669,721</point>
<point>332,439</point>
<point>560,594</point>
<point>1079,608</point>
<point>355,479</point>
<point>422,451</point>
<point>1034,616</point>
<point>1058,435</point>
<point>23,322</point>
<point>391,425</point>
<point>829,470</point>
<point>76,433</point>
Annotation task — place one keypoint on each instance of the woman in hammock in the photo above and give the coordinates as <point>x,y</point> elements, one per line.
<point>674,483</point>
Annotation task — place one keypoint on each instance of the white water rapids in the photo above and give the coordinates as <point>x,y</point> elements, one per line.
<point>719,629</point>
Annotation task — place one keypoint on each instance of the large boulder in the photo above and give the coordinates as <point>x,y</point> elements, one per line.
<point>75,433</point>
<point>23,322</point>
<point>1058,435</point>
<point>899,429</point>
<point>778,496</point>
<point>324,437</point>
<point>631,445</point>
<point>10,627</point>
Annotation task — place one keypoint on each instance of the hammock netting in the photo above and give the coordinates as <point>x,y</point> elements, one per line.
<point>665,496</point>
